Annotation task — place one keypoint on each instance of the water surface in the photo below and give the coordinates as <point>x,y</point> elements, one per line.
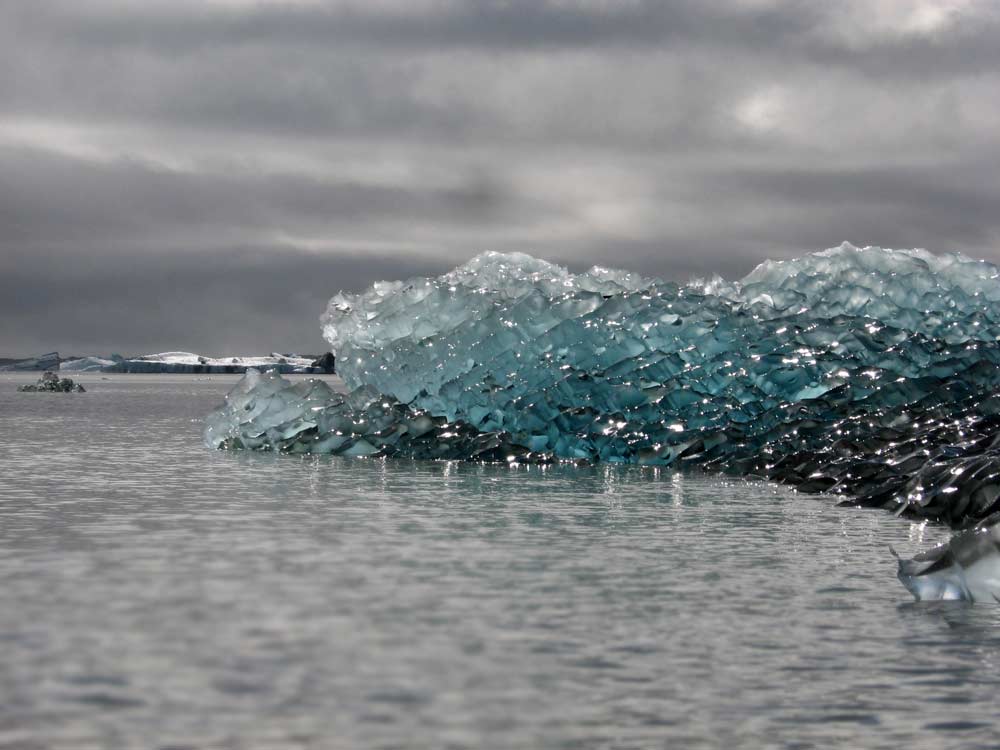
<point>155,594</point>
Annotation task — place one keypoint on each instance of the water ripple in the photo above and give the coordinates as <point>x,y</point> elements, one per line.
<point>157,594</point>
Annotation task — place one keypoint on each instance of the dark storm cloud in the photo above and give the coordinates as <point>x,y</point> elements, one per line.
<point>203,175</point>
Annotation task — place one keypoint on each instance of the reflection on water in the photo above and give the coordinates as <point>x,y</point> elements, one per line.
<point>157,594</point>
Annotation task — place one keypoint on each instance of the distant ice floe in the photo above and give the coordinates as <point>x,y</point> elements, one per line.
<point>188,362</point>
<point>176,362</point>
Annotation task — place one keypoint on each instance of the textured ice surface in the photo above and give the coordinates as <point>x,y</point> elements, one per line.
<point>967,567</point>
<point>865,372</point>
<point>267,412</point>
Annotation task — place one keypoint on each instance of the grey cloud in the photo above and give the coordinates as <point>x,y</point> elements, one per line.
<point>194,175</point>
<point>49,198</point>
<point>764,31</point>
<point>229,301</point>
<point>521,24</point>
<point>944,209</point>
<point>628,76</point>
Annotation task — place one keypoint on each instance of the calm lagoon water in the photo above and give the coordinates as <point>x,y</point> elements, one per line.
<point>156,594</point>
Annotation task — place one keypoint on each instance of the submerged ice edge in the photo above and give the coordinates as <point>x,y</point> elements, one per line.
<point>864,372</point>
<point>965,568</point>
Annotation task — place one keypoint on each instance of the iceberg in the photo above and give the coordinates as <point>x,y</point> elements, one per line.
<point>869,373</point>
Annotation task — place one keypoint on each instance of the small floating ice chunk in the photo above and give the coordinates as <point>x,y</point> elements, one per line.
<point>52,383</point>
<point>966,567</point>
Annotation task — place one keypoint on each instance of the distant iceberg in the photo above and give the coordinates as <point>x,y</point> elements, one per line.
<point>189,362</point>
<point>85,364</point>
<point>48,361</point>
<point>871,373</point>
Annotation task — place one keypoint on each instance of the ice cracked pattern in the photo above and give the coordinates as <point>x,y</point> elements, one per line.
<point>866,372</point>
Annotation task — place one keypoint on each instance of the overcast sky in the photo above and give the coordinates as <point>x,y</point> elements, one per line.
<point>185,174</point>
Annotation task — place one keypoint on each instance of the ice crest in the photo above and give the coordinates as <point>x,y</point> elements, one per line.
<point>866,372</point>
